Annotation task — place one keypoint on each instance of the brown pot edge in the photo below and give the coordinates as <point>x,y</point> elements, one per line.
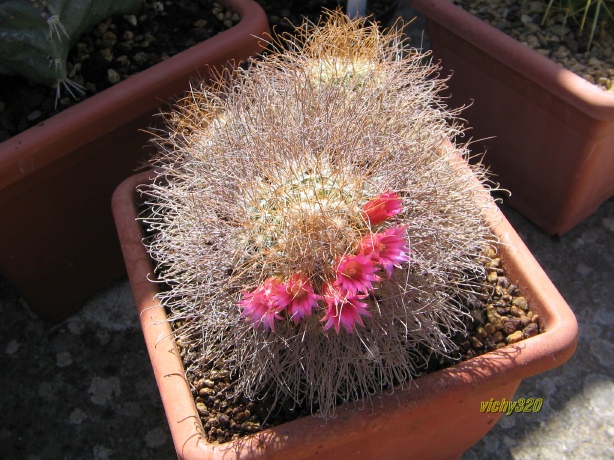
<point>554,78</point>
<point>42,144</point>
<point>537,354</point>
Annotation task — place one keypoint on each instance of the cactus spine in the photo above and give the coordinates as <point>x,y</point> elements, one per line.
<point>310,222</point>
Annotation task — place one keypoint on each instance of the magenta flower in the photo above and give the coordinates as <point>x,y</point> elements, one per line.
<point>379,209</point>
<point>263,305</point>
<point>302,297</point>
<point>389,249</point>
<point>356,273</point>
<point>343,308</point>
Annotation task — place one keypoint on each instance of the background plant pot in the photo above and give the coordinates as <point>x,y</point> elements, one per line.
<point>437,417</point>
<point>548,133</point>
<point>57,239</point>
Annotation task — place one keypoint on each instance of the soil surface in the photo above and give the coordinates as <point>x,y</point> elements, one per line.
<point>497,315</point>
<point>123,46</point>
<point>559,38</point>
<point>113,51</point>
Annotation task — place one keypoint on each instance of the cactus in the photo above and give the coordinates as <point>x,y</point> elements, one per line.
<point>36,35</point>
<point>311,222</point>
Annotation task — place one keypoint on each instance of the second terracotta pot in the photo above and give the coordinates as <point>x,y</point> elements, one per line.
<point>57,239</point>
<point>548,134</point>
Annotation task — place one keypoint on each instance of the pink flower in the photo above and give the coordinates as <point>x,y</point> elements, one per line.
<point>356,273</point>
<point>302,297</point>
<point>389,249</point>
<point>343,308</point>
<point>263,305</point>
<point>379,209</point>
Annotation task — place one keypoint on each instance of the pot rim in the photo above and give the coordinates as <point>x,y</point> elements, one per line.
<point>504,366</point>
<point>42,144</point>
<point>550,76</point>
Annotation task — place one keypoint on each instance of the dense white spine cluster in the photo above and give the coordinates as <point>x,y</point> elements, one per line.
<point>265,175</point>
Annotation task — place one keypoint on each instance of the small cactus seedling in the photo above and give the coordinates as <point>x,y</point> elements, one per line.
<point>310,219</point>
<point>36,35</point>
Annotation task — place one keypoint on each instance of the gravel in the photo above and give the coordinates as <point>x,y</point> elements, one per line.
<point>497,315</point>
<point>112,51</point>
<point>558,40</point>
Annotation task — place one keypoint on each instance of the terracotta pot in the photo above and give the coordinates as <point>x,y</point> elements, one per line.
<point>549,134</point>
<point>407,424</point>
<point>58,243</point>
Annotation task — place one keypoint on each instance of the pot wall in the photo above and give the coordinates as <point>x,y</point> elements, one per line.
<point>437,417</point>
<point>547,133</point>
<point>56,179</point>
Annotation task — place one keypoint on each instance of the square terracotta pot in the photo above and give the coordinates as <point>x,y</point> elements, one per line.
<point>58,244</point>
<point>437,417</point>
<point>548,133</point>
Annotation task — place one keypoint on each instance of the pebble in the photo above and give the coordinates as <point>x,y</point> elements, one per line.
<point>112,76</point>
<point>514,337</point>
<point>131,19</point>
<point>108,40</point>
<point>524,22</point>
<point>536,7</point>
<point>140,57</point>
<point>532,329</point>
<point>128,36</point>
<point>106,54</point>
<point>34,115</point>
<point>595,62</point>
<point>251,427</point>
<point>559,29</point>
<point>511,325</point>
<point>12,347</point>
<point>101,28</point>
<point>477,315</point>
<point>521,303</point>
<point>475,342</point>
<point>201,407</point>
<point>494,318</point>
<point>123,60</point>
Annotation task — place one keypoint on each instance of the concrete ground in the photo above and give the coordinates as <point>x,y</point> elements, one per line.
<point>84,389</point>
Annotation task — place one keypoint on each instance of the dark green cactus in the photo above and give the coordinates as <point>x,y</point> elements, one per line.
<point>36,35</point>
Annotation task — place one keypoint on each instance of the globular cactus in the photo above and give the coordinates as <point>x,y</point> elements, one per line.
<point>36,35</point>
<point>311,221</point>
